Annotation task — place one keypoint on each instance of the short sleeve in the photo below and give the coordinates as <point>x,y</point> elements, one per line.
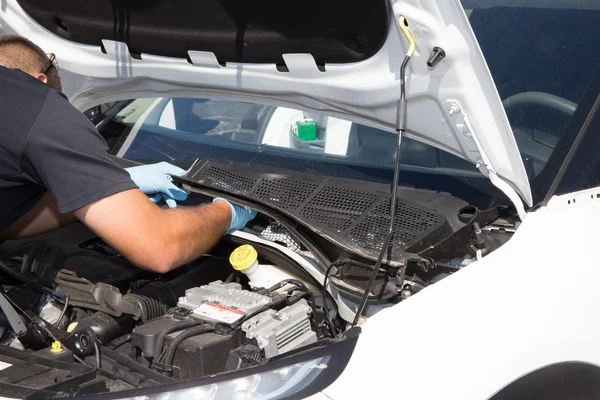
<point>65,153</point>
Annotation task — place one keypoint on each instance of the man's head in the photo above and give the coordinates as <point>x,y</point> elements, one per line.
<point>21,53</point>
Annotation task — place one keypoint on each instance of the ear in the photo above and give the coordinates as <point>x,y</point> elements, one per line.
<point>41,77</point>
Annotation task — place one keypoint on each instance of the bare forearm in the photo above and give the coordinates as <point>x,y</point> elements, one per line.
<point>151,237</point>
<point>195,230</point>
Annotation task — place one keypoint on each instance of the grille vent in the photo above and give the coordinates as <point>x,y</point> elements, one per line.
<point>358,215</point>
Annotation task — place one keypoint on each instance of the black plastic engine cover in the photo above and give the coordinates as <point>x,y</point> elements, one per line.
<point>31,376</point>
<point>204,354</point>
<point>197,356</point>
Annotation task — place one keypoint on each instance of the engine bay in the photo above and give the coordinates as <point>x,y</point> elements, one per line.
<point>134,328</point>
<point>77,318</point>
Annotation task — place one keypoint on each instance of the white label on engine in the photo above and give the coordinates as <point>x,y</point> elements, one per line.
<point>4,365</point>
<point>218,313</point>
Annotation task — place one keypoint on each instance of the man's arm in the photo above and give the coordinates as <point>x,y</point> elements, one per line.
<point>44,217</point>
<point>154,238</point>
<point>152,179</point>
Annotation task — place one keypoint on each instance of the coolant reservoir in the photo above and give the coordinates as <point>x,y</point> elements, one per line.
<point>245,260</point>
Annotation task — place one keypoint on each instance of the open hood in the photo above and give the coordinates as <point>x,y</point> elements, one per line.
<point>342,59</point>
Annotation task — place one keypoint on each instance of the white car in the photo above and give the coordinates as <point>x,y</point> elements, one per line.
<point>476,279</point>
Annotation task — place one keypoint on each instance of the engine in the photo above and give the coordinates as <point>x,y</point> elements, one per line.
<point>221,327</point>
<point>98,324</point>
<point>213,316</point>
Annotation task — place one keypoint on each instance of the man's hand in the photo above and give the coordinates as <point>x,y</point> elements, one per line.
<point>240,215</point>
<point>155,180</point>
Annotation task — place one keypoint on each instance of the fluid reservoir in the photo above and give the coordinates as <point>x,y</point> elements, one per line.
<point>245,260</point>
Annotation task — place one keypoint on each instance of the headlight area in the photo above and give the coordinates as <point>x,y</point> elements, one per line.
<point>294,375</point>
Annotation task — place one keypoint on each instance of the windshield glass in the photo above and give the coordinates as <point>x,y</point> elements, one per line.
<point>542,61</point>
<point>181,130</point>
<point>543,57</point>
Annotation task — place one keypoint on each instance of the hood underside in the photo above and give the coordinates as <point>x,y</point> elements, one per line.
<point>341,59</point>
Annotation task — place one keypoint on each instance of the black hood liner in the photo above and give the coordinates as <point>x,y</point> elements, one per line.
<point>257,31</point>
<point>351,214</point>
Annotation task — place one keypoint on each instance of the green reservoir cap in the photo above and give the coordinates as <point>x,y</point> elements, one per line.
<point>306,130</point>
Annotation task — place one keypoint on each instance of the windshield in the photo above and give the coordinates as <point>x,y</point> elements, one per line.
<point>542,61</point>
<point>181,130</point>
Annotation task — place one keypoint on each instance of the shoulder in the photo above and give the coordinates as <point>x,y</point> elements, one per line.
<point>15,82</point>
<point>58,113</point>
<point>59,124</point>
<point>22,99</point>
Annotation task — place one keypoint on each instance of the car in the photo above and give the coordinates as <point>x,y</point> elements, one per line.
<point>426,180</point>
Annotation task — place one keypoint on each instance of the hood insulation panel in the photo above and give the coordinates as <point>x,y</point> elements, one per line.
<point>259,31</point>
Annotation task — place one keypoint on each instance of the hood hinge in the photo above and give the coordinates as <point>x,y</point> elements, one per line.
<point>488,170</point>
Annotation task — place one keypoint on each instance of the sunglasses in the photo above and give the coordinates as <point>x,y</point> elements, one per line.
<point>51,63</point>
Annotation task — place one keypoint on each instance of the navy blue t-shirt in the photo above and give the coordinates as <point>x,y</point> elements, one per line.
<point>46,144</point>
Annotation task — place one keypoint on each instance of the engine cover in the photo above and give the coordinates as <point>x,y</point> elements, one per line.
<point>230,345</point>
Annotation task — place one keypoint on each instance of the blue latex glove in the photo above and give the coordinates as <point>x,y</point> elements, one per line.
<point>155,180</point>
<point>240,215</point>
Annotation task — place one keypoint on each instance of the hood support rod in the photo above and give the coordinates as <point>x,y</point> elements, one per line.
<point>400,128</point>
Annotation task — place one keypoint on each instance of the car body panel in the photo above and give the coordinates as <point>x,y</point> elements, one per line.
<point>453,106</point>
<point>520,308</point>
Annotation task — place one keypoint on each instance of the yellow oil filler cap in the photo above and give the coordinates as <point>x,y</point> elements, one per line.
<point>243,257</point>
<point>56,347</point>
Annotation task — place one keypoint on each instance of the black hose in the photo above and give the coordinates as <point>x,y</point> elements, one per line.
<point>97,349</point>
<point>167,361</point>
<point>118,342</point>
<point>302,287</point>
<point>325,308</point>
<point>274,302</point>
<point>63,312</point>
<point>170,329</point>
<point>388,238</point>
<point>340,262</point>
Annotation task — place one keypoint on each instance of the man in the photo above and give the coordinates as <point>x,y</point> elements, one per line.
<point>55,169</point>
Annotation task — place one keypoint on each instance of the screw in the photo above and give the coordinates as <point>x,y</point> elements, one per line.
<point>453,109</point>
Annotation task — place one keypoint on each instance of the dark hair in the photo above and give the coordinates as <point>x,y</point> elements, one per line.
<point>19,52</point>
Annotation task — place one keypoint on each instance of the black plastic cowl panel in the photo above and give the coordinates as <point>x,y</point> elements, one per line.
<point>258,31</point>
<point>354,214</point>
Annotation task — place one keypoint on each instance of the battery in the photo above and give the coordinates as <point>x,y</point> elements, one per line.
<point>30,376</point>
